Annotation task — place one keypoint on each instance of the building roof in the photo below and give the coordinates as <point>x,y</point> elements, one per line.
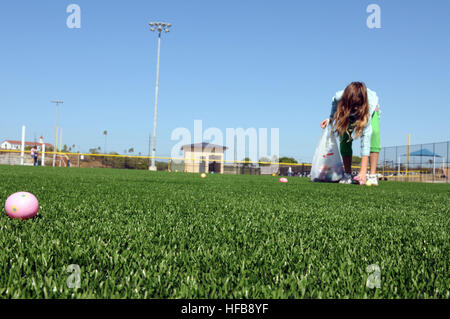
<point>204,145</point>
<point>27,143</point>
<point>423,152</point>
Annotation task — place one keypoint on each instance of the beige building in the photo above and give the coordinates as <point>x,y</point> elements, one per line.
<point>16,145</point>
<point>203,158</point>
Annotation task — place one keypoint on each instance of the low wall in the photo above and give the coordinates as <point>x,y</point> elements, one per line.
<point>14,159</point>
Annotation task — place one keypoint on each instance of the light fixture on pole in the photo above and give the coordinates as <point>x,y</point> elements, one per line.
<point>56,134</point>
<point>158,27</point>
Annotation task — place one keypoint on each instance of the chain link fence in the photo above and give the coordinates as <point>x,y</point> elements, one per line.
<point>416,163</point>
<point>246,168</point>
<point>10,157</point>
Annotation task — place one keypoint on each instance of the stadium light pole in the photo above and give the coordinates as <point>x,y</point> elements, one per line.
<point>158,27</point>
<point>56,134</point>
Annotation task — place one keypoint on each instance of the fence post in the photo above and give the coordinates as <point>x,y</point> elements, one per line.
<point>446,164</point>
<point>421,150</point>
<point>398,163</point>
<point>434,161</point>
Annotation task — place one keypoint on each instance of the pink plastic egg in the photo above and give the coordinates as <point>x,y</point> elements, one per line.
<point>283,180</point>
<point>22,205</point>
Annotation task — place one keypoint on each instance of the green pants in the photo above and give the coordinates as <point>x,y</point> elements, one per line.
<point>375,143</point>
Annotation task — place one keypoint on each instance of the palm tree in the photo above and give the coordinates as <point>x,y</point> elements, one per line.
<point>105,132</point>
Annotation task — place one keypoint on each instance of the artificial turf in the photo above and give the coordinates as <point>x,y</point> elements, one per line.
<point>140,234</point>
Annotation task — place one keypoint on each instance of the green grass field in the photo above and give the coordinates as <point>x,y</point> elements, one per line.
<point>140,234</point>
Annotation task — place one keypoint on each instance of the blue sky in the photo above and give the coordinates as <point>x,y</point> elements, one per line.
<point>261,64</point>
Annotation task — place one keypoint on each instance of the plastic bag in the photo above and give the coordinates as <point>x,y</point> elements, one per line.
<point>327,162</point>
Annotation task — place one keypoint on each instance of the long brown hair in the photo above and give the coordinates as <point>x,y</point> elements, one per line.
<point>353,100</point>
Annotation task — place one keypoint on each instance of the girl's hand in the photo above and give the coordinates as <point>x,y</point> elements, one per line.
<point>361,178</point>
<point>324,123</point>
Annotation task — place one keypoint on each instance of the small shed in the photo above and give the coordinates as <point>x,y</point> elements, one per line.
<point>203,158</point>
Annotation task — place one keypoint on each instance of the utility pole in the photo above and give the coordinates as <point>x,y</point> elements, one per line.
<point>22,147</point>
<point>60,144</point>
<point>105,132</point>
<point>56,134</point>
<point>159,27</point>
<point>408,143</point>
<point>149,147</point>
<point>235,154</point>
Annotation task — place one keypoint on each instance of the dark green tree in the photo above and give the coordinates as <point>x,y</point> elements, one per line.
<point>288,160</point>
<point>356,160</point>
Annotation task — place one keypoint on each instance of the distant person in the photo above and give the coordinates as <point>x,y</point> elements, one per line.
<point>356,111</point>
<point>34,155</point>
<point>212,167</point>
<point>290,171</point>
<point>67,161</point>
